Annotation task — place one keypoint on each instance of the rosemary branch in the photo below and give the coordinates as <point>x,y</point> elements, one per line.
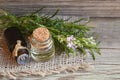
<point>68,36</point>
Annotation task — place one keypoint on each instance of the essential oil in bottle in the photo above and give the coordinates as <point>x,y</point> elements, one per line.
<point>17,45</point>
<point>42,46</point>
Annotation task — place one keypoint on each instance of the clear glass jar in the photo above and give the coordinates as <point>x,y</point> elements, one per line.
<point>42,51</point>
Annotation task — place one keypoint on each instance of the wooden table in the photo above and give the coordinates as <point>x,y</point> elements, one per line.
<point>104,17</point>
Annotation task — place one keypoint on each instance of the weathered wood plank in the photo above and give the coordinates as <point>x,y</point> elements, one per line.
<point>92,8</point>
<point>108,30</point>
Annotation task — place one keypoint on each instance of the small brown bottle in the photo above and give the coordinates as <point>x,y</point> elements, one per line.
<point>17,45</point>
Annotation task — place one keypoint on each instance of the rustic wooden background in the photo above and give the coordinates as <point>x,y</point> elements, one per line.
<point>92,8</point>
<point>104,17</point>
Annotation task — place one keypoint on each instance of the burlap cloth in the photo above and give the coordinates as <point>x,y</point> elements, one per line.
<point>62,63</point>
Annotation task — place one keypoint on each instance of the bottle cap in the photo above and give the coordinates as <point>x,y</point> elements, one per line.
<point>23,56</point>
<point>41,34</point>
<point>23,59</point>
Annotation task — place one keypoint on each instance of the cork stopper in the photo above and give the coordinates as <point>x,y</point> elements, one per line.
<point>41,34</point>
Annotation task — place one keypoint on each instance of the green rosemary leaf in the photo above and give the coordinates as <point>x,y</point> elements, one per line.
<point>54,13</point>
<point>97,51</point>
<point>81,19</point>
<point>82,51</point>
<point>37,11</point>
<point>92,53</point>
<point>46,15</point>
<point>68,19</point>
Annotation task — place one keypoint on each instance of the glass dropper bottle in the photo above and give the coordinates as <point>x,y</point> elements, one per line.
<point>17,45</point>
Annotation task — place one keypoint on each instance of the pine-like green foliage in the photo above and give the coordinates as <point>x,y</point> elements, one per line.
<point>68,36</point>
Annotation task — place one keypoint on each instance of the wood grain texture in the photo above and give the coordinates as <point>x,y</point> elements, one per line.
<point>108,30</point>
<point>107,66</point>
<point>92,8</point>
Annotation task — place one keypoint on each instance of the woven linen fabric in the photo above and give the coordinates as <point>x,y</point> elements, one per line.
<point>62,63</point>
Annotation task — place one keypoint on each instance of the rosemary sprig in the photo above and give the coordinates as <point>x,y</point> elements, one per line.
<point>68,36</point>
